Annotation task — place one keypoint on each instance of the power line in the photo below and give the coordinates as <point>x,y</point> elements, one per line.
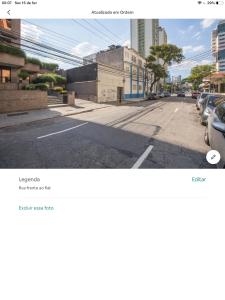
<point>100,32</point>
<point>91,31</point>
<point>103,26</point>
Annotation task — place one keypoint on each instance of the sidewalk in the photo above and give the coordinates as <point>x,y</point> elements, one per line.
<point>82,106</point>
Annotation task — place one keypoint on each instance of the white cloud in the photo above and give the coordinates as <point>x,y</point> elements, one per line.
<point>31,31</point>
<point>206,23</point>
<point>190,48</point>
<point>126,43</point>
<point>84,49</point>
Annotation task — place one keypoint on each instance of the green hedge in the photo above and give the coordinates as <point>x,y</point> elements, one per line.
<point>37,86</point>
<point>12,50</point>
<point>32,60</point>
<point>49,66</point>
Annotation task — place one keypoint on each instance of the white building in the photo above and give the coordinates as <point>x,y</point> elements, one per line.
<point>218,46</point>
<point>144,34</point>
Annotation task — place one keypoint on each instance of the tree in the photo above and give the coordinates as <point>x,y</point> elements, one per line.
<point>159,58</point>
<point>23,74</point>
<point>198,73</point>
<point>168,53</point>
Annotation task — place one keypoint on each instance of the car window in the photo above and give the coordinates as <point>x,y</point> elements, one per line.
<point>212,101</point>
<point>219,101</point>
<point>220,112</point>
<point>204,95</point>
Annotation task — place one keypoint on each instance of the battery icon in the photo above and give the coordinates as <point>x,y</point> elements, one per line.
<point>220,2</point>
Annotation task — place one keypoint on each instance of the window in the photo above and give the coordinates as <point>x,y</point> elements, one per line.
<point>133,58</point>
<point>220,111</point>
<point>134,87</point>
<point>140,63</point>
<point>6,24</point>
<point>5,74</point>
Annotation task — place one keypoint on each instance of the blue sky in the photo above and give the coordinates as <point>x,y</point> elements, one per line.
<point>193,35</point>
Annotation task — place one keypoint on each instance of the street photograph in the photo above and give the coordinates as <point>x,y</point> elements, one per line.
<point>112,93</point>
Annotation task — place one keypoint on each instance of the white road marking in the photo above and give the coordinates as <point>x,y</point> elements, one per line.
<point>142,157</point>
<point>176,110</point>
<point>61,131</point>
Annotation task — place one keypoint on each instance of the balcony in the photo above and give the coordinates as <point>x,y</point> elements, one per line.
<point>31,68</point>
<point>7,59</point>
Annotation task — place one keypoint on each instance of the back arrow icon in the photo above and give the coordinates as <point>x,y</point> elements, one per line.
<point>8,12</point>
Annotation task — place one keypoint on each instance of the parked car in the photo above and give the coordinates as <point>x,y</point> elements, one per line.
<point>167,94</point>
<point>151,96</point>
<point>195,94</point>
<point>161,95</point>
<point>200,99</point>
<point>180,94</point>
<point>210,102</point>
<point>215,132</point>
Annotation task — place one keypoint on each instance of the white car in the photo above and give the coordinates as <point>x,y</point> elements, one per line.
<point>215,132</point>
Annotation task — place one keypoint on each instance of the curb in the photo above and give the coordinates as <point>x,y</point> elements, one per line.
<point>53,117</point>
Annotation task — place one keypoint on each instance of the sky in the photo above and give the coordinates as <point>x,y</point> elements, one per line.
<point>84,37</point>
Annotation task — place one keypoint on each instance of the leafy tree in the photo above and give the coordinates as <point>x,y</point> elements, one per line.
<point>23,74</point>
<point>167,53</point>
<point>45,78</point>
<point>60,79</point>
<point>198,73</point>
<point>159,58</point>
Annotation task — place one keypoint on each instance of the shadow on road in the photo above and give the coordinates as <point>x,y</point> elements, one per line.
<point>92,146</point>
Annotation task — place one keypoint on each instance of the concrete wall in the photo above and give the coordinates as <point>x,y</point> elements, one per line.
<point>84,90</point>
<point>80,74</point>
<point>11,101</point>
<point>108,84</point>
<point>111,58</point>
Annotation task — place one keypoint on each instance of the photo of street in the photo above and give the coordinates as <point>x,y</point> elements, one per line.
<point>120,94</point>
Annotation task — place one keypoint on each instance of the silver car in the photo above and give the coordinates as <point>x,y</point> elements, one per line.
<point>200,99</point>
<point>215,132</point>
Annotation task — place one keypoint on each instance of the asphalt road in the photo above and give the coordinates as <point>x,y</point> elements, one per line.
<point>164,133</point>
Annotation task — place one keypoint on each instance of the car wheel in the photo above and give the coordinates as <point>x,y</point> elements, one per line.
<point>206,137</point>
<point>202,122</point>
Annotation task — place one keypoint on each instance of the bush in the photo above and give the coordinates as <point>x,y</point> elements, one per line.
<point>60,79</point>
<point>49,66</point>
<point>30,87</point>
<point>64,92</point>
<point>12,50</point>
<point>58,89</point>
<point>32,60</point>
<point>37,86</point>
<point>45,78</point>
<point>23,74</point>
<point>41,86</point>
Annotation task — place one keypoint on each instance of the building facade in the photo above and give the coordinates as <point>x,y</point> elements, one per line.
<point>10,61</point>
<point>218,46</point>
<point>144,34</point>
<point>123,69</point>
<point>133,66</point>
<point>96,82</point>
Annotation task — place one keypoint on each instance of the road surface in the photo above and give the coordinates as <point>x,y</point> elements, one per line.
<point>163,133</point>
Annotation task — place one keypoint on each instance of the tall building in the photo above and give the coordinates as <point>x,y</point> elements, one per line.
<point>162,36</point>
<point>218,46</point>
<point>144,34</point>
